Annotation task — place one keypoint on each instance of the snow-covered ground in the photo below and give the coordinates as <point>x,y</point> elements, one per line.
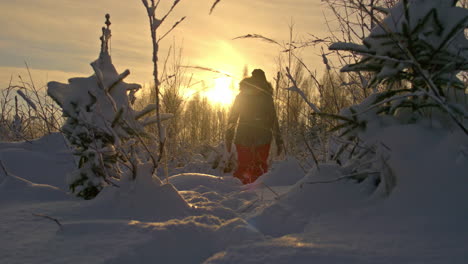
<point>201,218</point>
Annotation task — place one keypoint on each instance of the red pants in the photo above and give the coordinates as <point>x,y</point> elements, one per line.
<point>251,162</point>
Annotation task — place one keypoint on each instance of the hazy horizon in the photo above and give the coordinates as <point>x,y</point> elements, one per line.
<point>58,40</point>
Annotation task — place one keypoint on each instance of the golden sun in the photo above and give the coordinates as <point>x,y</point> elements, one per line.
<point>222,92</point>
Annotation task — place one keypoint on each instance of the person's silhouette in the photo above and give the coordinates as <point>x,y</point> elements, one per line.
<point>252,124</point>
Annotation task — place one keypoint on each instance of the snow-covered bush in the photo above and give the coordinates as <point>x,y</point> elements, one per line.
<point>416,54</point>
<point>101,125</point>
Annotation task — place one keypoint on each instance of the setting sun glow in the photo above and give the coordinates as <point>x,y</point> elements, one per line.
<point>222,92</point>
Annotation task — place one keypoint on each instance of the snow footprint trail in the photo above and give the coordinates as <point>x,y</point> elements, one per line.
<point>144,221</point>
<point>226,197</point>
<point>214,194</point>
<point>211,226</point>
<point>223,197</point>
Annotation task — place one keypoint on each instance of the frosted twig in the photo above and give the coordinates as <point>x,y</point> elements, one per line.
<point>385,101</point>
<point>38,99</point>
<point>50,218</point>
<point>300,92</point>
<point>4,169</point>
<point>311,151</point>
<point>154,25</point>
<point>271,190</point>
<point>448,110</point>
<point>340,178</point>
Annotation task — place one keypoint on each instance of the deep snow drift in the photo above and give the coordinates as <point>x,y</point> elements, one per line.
<point>201,218</point>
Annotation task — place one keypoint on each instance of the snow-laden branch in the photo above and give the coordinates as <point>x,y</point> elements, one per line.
<point>296,89</point>
<point>350,47</point>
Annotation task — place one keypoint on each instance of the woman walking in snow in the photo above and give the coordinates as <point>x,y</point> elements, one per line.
<point>252,124</point>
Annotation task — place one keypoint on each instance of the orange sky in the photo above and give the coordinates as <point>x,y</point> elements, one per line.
<point>58,39</point>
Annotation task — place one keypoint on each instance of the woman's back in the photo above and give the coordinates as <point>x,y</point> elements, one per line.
<point>253,122</point>
<point>256,115</point>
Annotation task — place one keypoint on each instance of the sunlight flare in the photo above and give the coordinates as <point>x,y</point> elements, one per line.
<point>222,92</point>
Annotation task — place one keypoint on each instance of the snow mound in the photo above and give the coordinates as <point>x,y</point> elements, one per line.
<point>431,169</point>
<point>293,210</point>
<point>51,143</point>
<point>283,173</point>
<point>289,249</point>
<point>359,248</point>
<point>213,195</point>
<point>198,236</point>
<point>48,160</point>
<point>310,195</point>
<point>342,221</point>
<point>144,199</point>
<point>16,189</point>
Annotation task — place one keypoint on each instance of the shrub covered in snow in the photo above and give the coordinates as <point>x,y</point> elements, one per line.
<point>416,53</point>
<point>101,125</point>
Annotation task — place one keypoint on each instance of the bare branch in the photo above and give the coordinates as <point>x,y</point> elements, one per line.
<point>176,2</point>
<point>207,69</point>
<point>257,36</point>
<point>172,28</point>
<point>214,5</point>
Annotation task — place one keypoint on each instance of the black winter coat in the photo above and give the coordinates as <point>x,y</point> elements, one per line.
<point>253,120</point>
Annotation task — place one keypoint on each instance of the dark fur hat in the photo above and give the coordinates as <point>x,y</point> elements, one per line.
<point>259,74</point>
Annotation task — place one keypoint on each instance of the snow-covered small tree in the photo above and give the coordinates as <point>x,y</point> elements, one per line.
<point>416,53</point>
<point>104,130</point>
